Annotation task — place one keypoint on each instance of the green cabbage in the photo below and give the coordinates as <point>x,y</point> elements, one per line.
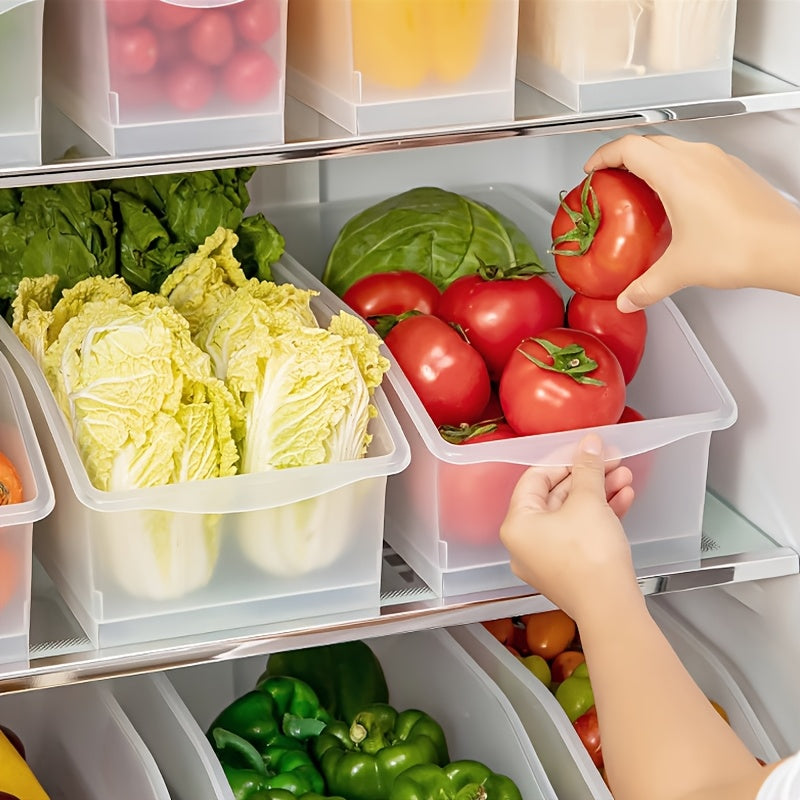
<point>440,234</point>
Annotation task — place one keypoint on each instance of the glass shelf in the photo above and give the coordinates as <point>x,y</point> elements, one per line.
<point>70,155</point>
<point>733,550</point>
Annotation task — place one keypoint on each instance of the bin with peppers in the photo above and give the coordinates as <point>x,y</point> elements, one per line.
<point>318,723</point>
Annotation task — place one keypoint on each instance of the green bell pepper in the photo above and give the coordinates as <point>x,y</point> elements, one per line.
<point>346,676</point>
<point>361,761</point>
<point>282,794</point>
<point>460,780</point>
<point>250,772</point>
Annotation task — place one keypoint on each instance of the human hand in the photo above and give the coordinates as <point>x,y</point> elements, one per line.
<point>730,227</point>
<point>563,530</point>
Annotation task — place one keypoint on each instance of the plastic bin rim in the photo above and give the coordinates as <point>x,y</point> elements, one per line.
<point>161,498</point>
<point>39,506</point>
<point>10,5</point>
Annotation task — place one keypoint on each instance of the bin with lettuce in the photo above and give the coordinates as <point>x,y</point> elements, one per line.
<point>217,374</point>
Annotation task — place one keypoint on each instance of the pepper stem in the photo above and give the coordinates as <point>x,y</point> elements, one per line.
<point>472,791</point>
<point>585,223</point>
<point>302,727</point>
<point>570,360</point>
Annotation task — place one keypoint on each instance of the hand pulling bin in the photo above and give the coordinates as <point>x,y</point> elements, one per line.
<point>224,553</point>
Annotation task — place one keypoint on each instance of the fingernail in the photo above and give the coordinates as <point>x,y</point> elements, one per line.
<point>625,305</point>
<point>592,444</point>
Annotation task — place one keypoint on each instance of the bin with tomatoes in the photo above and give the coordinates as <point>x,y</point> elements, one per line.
<point>168,75</point>
<point>538,661</point>
<point>504,355</point>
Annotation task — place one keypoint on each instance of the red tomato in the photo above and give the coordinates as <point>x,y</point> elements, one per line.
<point>392,293</point>
<point>589,733</point>
<point>623,334</point>
<point>563,665</point>
<point>168,17</point>
<point>544,397</point>
<point>616,232</point>
<point>126,12</point>
<point>549,633</point>
<point>190,86</point>
<point>132,51</point>
<point>448,375</point>
<point>257,21</point>
<point>630,415</point>
<point>250,76</point>
<point>496,314</point>
<point>493,409</point>
<point>211,37</point>
<point>473,498</point>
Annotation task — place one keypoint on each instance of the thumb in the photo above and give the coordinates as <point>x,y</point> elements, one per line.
<point>653,285</point>
<point>588,470</point>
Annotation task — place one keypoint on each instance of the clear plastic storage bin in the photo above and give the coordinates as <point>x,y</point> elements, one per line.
<point>477,718</point>
<point>593,55</point>
<point>766,37</point>
<point>168,76</point>
<point>81,746</point>
<point>19,444</point>
<point>568,765</point>
<point>187,558</point>
<point>443,513</point>
<point>21,98</point>
<point>381,65</point>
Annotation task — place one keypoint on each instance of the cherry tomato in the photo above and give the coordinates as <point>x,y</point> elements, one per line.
<point>497,313</point>
<point>139,91</point>
<point>257,21</point>
<point>126,12</point>
<point>211,37</point>
<point>249,76</point>
<point>447,374</point>
<point>624,334</point>
<point>501,629</point>
<point>190,86</point>
<point>615,229</point>
<point>172,47</point>
<point>544,397</point>
<point>589,733</point>
<point>392,293</point>
<point>473,498</point>
<point>549,633</point>
<point>167,17</point>
<point>132,51</point>
<point>563,665</point>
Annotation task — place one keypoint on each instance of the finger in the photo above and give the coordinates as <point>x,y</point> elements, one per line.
<point>617,480</point>
<point>658,282</point>
<point>639,154</point>
<point>621,502</point>
<point>588,470</point>
<point>534,486</point>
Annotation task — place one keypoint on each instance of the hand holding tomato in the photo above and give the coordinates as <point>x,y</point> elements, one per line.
<point>724,219</point>
<point>607,231</point>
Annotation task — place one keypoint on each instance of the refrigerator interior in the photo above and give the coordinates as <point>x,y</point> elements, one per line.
<point>748,333</point>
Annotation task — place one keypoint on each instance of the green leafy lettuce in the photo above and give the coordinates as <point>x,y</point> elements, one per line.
<point>440,234</point>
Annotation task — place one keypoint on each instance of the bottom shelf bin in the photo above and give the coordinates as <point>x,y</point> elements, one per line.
<point>81,746</point>
<point>427,670</point>
<point>568,765</point>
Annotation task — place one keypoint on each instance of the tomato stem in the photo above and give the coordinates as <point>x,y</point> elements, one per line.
<point>569,360</point>
<point>585,223</point>
<point>383,323</point>
<point>458,434</point>
<point>494,272</point>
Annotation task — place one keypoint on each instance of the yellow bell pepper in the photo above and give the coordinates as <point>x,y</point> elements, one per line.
<point>16,777</point>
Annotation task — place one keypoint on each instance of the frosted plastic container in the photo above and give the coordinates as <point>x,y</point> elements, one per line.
<point>80,744</point>
<point>18,442</point>
<point>562,753</point>
<point>477,718</point>
<point>244,550</point>
<point>21,98</point>
<point>381,65</point>
<point>168,76</point>
<point>593,55</point>
<point>444,512</point>
<point>766,37</point>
